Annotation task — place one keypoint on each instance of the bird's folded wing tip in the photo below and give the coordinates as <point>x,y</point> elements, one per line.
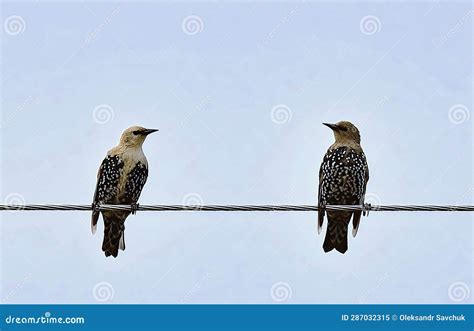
<point>354,232</point>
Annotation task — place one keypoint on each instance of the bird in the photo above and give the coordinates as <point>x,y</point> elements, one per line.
<point>343,178</point>
<point>120,180</point>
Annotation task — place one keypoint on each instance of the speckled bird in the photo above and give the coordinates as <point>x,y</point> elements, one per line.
<point>343,179</point>
<point>120,180</point>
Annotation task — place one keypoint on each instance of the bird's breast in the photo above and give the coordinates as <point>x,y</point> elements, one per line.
<point>131,159</point>
<point>343,173</point>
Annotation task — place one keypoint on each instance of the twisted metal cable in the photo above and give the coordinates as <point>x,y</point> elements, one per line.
<point>231,208</point>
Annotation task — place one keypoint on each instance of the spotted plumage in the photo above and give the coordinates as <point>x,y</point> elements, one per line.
<point>120,180</point>
<point>343,177</point>
<point>136,179</point>
<point>107,180</point>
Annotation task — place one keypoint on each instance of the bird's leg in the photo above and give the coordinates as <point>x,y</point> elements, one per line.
<point>96,206</point>
<point>366,208</point>
<point>134,208</point>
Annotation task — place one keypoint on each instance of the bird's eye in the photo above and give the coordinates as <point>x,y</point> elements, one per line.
<point>136,132</point>
<point>343,128</point>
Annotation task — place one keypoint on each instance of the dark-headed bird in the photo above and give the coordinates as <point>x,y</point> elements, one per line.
<point>343,179</point>
<point>120,180</point>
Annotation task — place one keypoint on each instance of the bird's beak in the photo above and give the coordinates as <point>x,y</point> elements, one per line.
<point>146,132</point>
<point>332,126</point>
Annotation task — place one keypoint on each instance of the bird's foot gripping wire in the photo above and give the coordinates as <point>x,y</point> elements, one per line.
<point>366,208</point>
<point>134,208</point>
<point>95,207</point>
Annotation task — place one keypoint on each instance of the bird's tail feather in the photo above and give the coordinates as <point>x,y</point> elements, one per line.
<point>113,236</point>
<point>122,240</point>
<point>336,236</point>
<point>94,219</point>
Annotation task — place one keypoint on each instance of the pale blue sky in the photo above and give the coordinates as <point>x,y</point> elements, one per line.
<point>211,94</point>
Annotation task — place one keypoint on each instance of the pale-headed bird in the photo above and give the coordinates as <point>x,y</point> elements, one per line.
<point>120,180</point>
<point>343,179</point>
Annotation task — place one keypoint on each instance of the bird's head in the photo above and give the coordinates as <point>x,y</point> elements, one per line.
<point>345,131</point>
<point>135,136</point>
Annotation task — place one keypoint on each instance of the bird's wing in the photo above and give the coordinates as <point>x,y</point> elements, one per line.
<point>358,214</point>
<point>108,178</point>
<point>320,196</point>
<point>366,175</point>
<point>136,179</point>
